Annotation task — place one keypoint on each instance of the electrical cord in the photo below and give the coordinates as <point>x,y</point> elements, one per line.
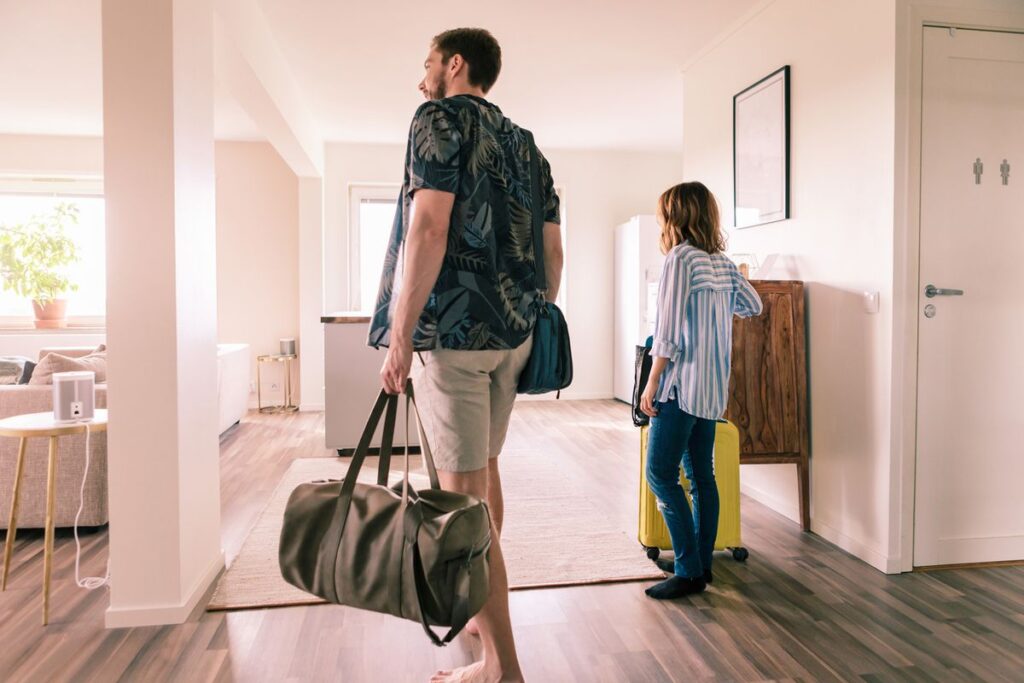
<point>90,582</point>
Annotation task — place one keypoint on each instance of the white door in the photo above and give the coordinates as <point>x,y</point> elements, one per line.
<point>969,504</point>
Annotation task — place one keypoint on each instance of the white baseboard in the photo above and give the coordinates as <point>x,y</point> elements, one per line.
<point>786,508</point>
<point>857,548</point>
<point>568,396</point>
<point>311,407</point>
<point>159,615</point>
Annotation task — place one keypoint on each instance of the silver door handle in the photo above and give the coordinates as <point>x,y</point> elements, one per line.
<point>932,291</point>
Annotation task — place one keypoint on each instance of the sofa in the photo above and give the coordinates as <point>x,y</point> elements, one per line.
<point>233,370</point>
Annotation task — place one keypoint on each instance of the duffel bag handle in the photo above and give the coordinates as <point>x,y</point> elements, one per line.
<point>428,455</point>
<point>332,539</point>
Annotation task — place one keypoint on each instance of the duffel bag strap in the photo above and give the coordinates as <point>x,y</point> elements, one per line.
<point>428,455</point>
<point>387,439</point>
<point>326,558</point>
<point>460,607</point>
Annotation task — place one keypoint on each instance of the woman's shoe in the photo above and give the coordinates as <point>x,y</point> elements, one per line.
<point>669,567</point>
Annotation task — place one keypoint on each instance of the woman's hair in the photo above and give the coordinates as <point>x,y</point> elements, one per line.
<point>688,211</point>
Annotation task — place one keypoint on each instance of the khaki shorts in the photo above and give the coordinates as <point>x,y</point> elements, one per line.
<point>466,399</point>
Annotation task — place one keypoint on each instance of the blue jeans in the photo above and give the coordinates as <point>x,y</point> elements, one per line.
<point>678,437</point>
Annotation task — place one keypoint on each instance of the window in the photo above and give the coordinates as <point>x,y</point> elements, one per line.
<point>372,214</point>
<point>20,201</point>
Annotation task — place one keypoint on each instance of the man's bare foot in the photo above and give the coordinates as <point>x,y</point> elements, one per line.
<point>474,673</point>
<point>471,628</point>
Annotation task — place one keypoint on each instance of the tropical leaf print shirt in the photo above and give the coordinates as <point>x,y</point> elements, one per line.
<point>485,294</point>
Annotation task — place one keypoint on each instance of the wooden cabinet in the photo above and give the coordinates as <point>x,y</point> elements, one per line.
<point>768,399</point>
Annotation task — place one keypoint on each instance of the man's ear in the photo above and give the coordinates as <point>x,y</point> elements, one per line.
<point>456,64</point>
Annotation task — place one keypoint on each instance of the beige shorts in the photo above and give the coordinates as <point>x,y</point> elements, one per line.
<point>466,399</point>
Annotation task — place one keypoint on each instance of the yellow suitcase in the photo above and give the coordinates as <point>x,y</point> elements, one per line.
<point>653,534</point>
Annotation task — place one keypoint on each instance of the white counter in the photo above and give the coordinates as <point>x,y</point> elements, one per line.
<point>352,381</point>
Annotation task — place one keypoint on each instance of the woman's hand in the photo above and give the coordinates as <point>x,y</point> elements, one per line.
<point>647,398</point>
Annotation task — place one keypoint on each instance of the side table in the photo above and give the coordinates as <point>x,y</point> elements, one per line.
<point>25,427</point>
<point>287,406</point>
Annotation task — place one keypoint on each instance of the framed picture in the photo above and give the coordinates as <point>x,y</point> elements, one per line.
<point>760,147</point>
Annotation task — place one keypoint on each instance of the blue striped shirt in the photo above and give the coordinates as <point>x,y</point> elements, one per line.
<point>697,298</point>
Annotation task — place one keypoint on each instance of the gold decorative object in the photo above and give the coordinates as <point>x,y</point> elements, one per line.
<point>287,406</point>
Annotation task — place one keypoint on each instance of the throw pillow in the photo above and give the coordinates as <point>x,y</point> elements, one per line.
<point>12,368</point>
<point>54,362</point>
<point>26,374</point>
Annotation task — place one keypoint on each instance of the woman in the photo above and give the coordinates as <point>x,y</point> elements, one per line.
<point>700,292</point>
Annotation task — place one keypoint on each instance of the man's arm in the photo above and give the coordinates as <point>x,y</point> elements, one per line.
<point>553,259</point>
<point>425,247</point>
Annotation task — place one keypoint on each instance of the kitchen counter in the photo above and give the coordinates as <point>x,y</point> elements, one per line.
<point>351,382</point>
<point>345,317</point>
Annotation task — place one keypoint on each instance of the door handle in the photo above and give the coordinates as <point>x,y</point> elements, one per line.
<point>933,291</point>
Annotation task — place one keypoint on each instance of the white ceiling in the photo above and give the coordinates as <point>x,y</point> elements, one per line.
<point>580,73</point>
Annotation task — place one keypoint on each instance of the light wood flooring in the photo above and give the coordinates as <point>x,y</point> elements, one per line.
<point>799,609</point>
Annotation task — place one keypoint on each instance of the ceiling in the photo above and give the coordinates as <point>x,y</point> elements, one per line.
<point>580,73</point>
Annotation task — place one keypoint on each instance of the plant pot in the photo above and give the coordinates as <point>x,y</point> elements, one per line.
<point>52,314</point>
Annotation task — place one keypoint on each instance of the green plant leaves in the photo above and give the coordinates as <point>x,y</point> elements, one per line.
<point>34,255</point>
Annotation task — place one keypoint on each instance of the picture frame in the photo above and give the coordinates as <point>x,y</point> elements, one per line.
<point>760,135</point>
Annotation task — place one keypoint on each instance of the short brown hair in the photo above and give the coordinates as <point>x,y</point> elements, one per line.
<point>480,50</point>
<point>688,211</point>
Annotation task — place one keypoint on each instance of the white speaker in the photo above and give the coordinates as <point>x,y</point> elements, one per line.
<point>74,396</point>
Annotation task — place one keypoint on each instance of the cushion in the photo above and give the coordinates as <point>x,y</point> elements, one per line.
<point>12,368</point>
<point>54,362</point>
<point>26,374</point>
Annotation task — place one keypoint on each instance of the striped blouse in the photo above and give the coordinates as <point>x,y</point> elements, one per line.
<point>697,298</point>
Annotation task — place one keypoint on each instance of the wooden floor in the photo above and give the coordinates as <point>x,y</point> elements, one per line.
<point>799,609</point>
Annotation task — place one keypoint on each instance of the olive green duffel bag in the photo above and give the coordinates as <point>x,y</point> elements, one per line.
<point>419,555</point>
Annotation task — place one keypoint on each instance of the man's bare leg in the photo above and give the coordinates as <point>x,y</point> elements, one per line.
<point>500,662</point>
<point>495,499</point>
<point>496,504</point>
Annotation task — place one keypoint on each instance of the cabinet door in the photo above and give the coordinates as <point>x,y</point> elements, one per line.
<point>768,373</point>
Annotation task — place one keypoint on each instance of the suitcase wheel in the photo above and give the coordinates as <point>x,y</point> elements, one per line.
<point>740,554</point>
<point>653,553</point>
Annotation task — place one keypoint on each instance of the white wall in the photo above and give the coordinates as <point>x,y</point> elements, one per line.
<point>839,239</point>
<point>257,254</point>
<point>600,190</point>
<point>51,155</point>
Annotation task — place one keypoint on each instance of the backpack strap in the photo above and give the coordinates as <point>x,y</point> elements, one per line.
<point>537,214</point>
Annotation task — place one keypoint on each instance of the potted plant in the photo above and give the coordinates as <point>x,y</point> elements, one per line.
<point>33,258</point>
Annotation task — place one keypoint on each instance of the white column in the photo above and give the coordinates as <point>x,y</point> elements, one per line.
<point>161,308</point>
<point>311,292</point>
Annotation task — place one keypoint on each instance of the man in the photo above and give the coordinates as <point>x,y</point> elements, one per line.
<point>459,290</point>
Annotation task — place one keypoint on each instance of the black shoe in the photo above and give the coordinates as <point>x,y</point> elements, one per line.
<point>669,567</point>
<point>676,587</point>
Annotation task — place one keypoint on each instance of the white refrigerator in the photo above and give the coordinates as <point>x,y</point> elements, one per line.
<point>638,262</point>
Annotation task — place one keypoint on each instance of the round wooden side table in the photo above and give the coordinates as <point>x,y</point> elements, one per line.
<point>287,406</point>
<point>25,427</point>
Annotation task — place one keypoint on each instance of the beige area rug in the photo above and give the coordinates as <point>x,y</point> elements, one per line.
<point>554,535</point>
